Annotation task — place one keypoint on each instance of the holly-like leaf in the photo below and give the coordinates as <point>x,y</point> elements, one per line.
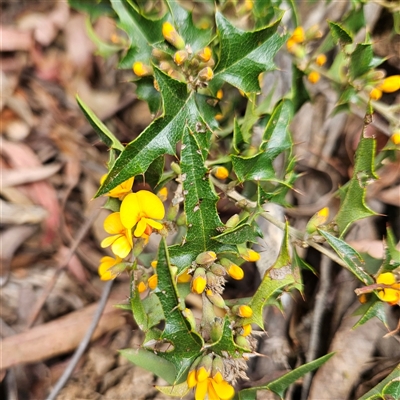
<point>161,136</point>
<point>339,33</point>
<point>276,137</point>
<point>177,331</point>
<point>142,32</point>
<point>379,391</point>
<point>351,257</point>
<point>280,385</point>
<point>200,204</point>
<point>258,167</point>
<point>300,94</point>
<point>244,55</point>
<point>105,135</point>
<point>373,308</point>
<point>95,8</point>
<point>353,205</point>
<point>274,280</point>
<point>360,60</point>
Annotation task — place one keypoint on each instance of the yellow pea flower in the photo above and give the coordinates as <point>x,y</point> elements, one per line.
<point>153,281</point>
<point>390,84</point>
<point>106,270</point>
<point>313,77</point>
<point>172,36</point>
<point>205,54</point>
<point>220,172</point>
<point>298,35</point>
<point>391,294</point>
<point>141,69</point>
<point>121,240</point>
<point>121,190</point>
<point>142,287</point>
<point>142,209</point>
<point>249,254</point>
<point>396,137</point>
<point>320,60</point>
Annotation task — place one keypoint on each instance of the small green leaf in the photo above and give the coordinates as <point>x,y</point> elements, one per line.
<point>276,137</point>
<point>360,60</point>
<point>151,362</point>
<point>152,308</point>
<point>95,8</point>
<point>280,385</point>
<point>238,235</point>
<point>353,205</point>
<point>300,94</point>
<point>373,308</point>
<point>298,262</point>
<point>244,55</point>
<point>138,311</point>
<point>104,133</point>
<point>339,33</point>
<point>379,390</point>
<point>238,139</point>
<point>275,279</point>
<point>351,257</point>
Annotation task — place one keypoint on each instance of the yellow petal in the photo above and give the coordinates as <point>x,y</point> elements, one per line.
<point>153,281</point>
<point>218,377</point>
<point>191,379</point>
<point>130,211</point>
<point>201,390</point>
<point>387,278</point>
<point>104,268</point>
<point>392,295</point>
<point>390,84</point>
<point>224,390</point>
<point>112,224</point>
<point>122,189</point>
<point>236,272</point>
<point>212,394</point>
<point>245,311</point>
<point>142,287</point>
<point>184,277</point>
<point>140,228</point>
<point>202,374</point>
<point>108,241</point>
<point>121,247</point>
<point>154,224</point>
<point>150,204</point>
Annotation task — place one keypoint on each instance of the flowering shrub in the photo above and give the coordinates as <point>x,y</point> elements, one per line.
<point>182,70</point>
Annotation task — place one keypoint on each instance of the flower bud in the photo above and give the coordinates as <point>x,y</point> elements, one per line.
<point>159,54</point>
<point>172,212</point>
<point>165,66</point>
<point>180,57</point>
<point>172,36</point>
<point>187,313</point>
<point>191,379</point>
<point>218,269</point>
<point>217,369</point>
<point>216,329</point>
<point>390,84</point>
<point>241,341</point>
<point>233,270</point>
<point>249,254</point>
<point>142,287</point>
<point>181,221</point>
<point>220,172</point>
<point>211,279</point>
<point>153,281</point>
<point>204,54</point>
<point>375,94</point>
<point>203,370</point>
<point>318,219</point>
<point>233,221</point>
<point>313,77</point>
<point>199,281</point>
<point>215,298</point>
<point>220,94</point>
<point>396,137</point>
<point>163,194</point>
<point>206,74</point>
<point>154,263</point>
<point>320,60</point>
<point>141,69</point>
<point>298,35</point>
<point>242,311</point>
<point>206,257</point>
<point>176,168</point>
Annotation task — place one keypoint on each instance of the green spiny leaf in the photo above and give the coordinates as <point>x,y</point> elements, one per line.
<point>373,308</point>
<point>275,279</point>
<point>187,344</point>
<point>351,257</point>
<point>276,138</point>
<point>360,60</point>
<point>339,33</point>
<point>146,91</point>
<point>353,205</point>
<point>280,385</point>
<point>244,55</point>
<point>238,235</point>
<point>95,8</point>
<point>258,167</point>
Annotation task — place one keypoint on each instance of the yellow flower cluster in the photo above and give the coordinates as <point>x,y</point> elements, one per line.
<point>206,376</point>
<point>139,213</point>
